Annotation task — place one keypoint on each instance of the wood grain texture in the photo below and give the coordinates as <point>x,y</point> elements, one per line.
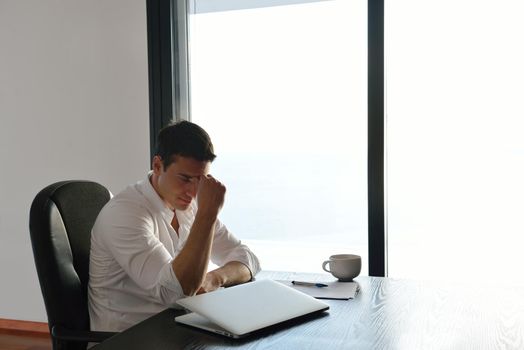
<point>386,314</point>
<point>20,326</point>
<point>24,342</point>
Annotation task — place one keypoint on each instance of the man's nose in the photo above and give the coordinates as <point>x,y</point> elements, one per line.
<point>192,188</point>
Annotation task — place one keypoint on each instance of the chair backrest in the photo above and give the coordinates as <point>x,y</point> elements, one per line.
<point>60,223</point>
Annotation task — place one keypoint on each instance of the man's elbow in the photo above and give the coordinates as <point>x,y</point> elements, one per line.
<point>191,289</point>
<point>189,281</point>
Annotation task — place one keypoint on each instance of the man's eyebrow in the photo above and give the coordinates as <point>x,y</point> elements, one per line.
<point>189,176</point>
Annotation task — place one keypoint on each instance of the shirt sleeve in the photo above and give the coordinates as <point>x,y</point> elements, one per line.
<point>129,234</point>
<point>226,248</point>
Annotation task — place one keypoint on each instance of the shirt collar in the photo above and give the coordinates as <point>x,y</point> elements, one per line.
<point>154,198</point>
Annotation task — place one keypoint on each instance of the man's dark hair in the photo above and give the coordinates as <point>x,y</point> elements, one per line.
<point>184,139</point>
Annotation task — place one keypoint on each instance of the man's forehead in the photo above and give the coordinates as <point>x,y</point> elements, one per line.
<point>190,166</point>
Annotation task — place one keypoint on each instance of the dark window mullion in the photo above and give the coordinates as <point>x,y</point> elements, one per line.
<point>160,66</point>
<point>376,204</point>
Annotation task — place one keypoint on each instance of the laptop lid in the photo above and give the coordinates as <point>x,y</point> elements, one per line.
<point>242,309</point>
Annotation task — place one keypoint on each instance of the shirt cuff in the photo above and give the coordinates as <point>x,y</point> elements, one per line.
<point>168,280</point>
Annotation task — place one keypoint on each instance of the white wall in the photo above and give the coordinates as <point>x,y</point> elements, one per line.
<point>73,105</point>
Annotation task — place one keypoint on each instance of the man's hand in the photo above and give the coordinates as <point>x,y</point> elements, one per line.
<point>212,282</point>
<point>211,193</point>
<point>230,274</point>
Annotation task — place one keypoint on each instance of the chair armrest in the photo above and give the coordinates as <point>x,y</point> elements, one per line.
<point>62,333</point>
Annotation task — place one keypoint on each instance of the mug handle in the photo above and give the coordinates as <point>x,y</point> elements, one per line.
<point>324,265</point>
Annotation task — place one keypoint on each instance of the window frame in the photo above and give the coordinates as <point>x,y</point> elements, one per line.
<point>169,99</point>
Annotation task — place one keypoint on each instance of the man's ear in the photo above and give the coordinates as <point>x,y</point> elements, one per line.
<point>157,165</point>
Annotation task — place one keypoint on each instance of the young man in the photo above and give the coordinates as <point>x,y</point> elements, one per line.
<point>152,242</point>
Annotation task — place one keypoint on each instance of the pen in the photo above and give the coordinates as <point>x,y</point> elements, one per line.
<point>300,283</point>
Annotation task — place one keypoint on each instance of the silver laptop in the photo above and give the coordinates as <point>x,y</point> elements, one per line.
<point>240,310</point>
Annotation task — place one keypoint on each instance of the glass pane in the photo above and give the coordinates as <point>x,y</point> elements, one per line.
<point>455,145</point>
<point>282,91</point>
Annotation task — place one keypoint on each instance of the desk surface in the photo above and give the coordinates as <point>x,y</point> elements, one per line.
<point>386,314</point>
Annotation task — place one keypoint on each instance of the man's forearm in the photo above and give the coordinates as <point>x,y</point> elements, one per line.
<point>190,265</point>
<point>232,273</point>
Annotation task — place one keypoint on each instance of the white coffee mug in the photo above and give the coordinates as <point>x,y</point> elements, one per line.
<point>345,267</point>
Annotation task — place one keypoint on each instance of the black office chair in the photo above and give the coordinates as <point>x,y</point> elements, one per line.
<point>60,223</point>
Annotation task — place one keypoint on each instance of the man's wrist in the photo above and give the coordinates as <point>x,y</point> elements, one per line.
<point>219,277</point>
<point>208,215</point>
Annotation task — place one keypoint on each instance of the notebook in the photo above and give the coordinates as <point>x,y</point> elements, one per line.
<point>240,310</point>
<point>333,290</point>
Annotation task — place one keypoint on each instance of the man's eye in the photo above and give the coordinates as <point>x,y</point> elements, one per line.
<point>184,178</point>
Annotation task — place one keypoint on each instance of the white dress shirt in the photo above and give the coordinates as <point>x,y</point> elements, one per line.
<point>132,247</point>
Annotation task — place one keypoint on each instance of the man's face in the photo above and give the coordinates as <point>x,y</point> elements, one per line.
<point>178,183</point>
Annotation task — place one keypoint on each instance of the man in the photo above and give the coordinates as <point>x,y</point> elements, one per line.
<point>151,243</point>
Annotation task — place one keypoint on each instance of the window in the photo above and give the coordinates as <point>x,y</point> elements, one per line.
<point>455,146</point>
<point>282,90</point>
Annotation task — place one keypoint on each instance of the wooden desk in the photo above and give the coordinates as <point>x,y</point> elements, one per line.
<point>387,314</point>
